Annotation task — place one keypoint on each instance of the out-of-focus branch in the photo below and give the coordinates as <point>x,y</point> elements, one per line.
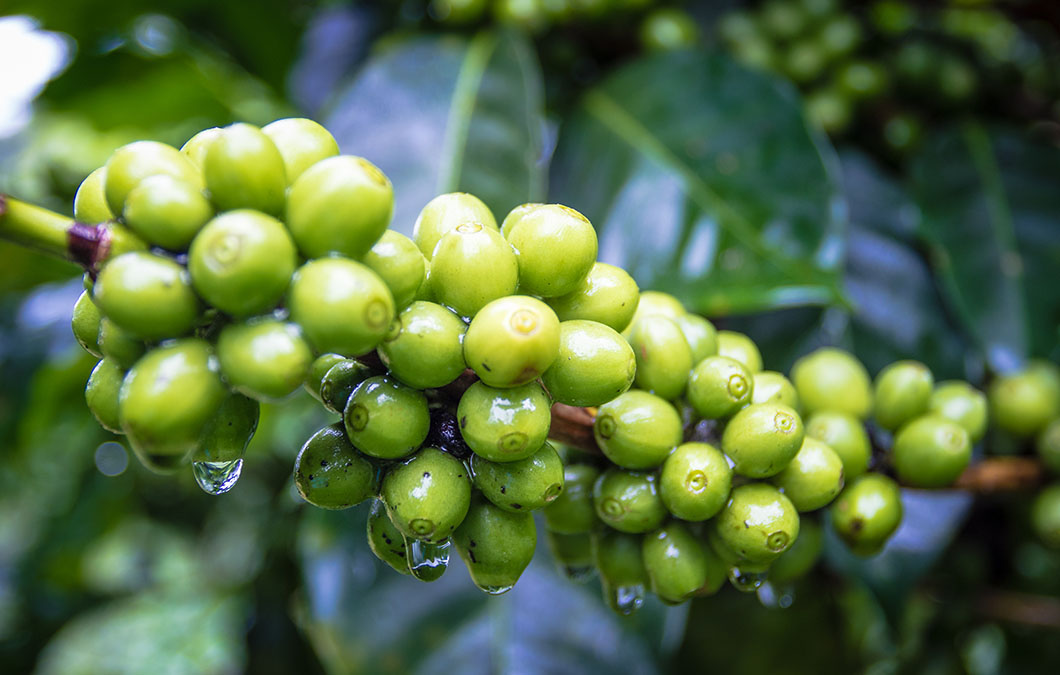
<point>1024,608</point>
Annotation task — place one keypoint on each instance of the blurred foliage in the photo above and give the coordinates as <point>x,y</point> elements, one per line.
<point>704,178</point>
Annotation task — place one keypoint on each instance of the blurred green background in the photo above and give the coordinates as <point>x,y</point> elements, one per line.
<point>884,176</point>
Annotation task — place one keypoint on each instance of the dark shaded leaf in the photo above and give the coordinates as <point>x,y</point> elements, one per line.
<point>703,179</point>
<point>989,210</point>
<point>445,114</point>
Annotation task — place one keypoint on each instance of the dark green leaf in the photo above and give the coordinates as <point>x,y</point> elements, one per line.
<point>361,616</point>
<point>445,114</point>
<point>704,180</point>
<point>172,633</point>
<point>989,207</point>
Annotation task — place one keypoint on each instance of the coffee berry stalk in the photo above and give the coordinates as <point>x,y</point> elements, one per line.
<point>484,369</point>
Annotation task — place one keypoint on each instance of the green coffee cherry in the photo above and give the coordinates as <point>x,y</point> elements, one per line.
<point>717,571</point>
<point>264,359</point>
<point>832,379</point>
<point>863,79</point>
<point>619,559</point>
<point>317,370</point>
<point>555,247</point>
<point>770,386</point>
<point>572,512</point>
<point>637,430</point>
<point>496,545</point>
<point>340,381</point>
<point>134,162</point>
<point>244,170</point>
<point>667,29</point>
<point>118,345</point>
<point>594,364</point>
<point>1048,446</point>
<point>931,452</point>
<point>1045,515</point>
<point>846,436</point>
<point>801,557</point>
<point>829,109</point>
<point>424,348</point>
<point>962,403</point>
<point>695,481</point>
<point>674,561</point>
<point>228,433</point>
<point>443,214</point>
<point>168,397</point>
<point>867,513</point>
<point>147,295</point>
<point>573,554</point>
<point>762,439</point>
<point>511,341</point>
<point>805,61</point>
<point>652,303</point>
<point>1023,403</point>
<point>428,495</point>
<point>166,212</point>
<point>241,262</point>
<point>90,202</point>
<point>339,205</point>
<point>330,474</point>
<point>903,392</point>
<point>739,347</point>
<point>608,295</point>
<point>342,306</point>
<point>101,394</point>
<point>399,264</point>
<point>301,142</point>
<point>85,324</point>
<point>664,358</point>
<point>813,478</point>
<point>504,425</point>
<point>629,501</point>
<point>719,386</point>
<point>523,485</point>
<point>195,148</point>
<point>386,419</point>
<point>758,524</point>
<point>1048,371</point>
<point>734,562</point>
<point>700,334</point>
<point>472,266</point>
<point>840,35</point>
<point>385,540</point>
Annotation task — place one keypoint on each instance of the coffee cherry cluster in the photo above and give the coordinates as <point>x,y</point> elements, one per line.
<point>268,266</point>
<point>661,27</point>
<point>892,64</point>
<point>1026,407</point>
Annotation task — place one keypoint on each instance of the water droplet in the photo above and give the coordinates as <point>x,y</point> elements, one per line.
<point>496,590</point>
<point>217,478</point>
<point>776,596</point>
<point>579,574</point>
<point>428,561</point>
<point>625,599</point>
<point>747,582</point>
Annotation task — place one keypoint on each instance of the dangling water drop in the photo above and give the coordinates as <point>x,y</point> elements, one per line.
<point>216,478</point>
<point>428,561</point>
<point>579,574</point>
<point>776,596</point>
<point>747,582</point>
<point>496,590</point>
<point>624,599</point>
